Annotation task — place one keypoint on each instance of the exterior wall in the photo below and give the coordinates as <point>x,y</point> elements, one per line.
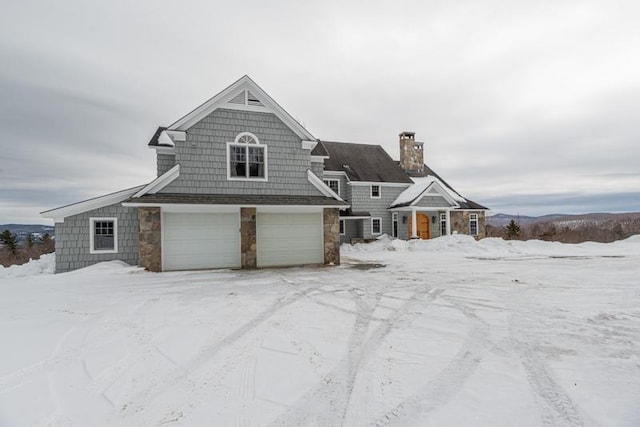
<point>345,189</point>
<point>361,201</point>
<point>460,222</point>
<point>318,169</point>
<point>164,162</point>
<point>72,239</point>
<point>203,156</point>
<point>352,228</point>
<point>150,238</point>
<point>433,201</point>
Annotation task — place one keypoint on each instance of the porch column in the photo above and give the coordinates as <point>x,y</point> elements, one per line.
<point>448,212</point>
<point>414,224</point>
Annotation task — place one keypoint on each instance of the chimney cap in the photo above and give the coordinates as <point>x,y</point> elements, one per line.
<point>407,134</point>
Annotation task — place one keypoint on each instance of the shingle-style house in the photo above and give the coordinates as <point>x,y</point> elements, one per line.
<point>241,184</point>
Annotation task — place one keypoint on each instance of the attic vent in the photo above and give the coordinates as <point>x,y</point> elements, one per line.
<point>252,100</point>
<point>238,99</point>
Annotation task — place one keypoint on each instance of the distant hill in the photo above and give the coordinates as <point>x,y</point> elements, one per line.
<point>596,227</point>
<point>23,230</point>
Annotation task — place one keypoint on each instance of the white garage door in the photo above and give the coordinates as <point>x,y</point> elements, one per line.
<point>289,239</point>
<point>201,240</point>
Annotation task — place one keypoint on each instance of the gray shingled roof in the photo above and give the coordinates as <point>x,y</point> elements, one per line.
<point>232,199</point>
<point>154,139</point>
<point>361,162</point>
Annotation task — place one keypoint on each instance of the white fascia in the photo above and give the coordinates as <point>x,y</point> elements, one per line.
<point>441,192</point>
<point>321,186</point>
<point>381,184</point>
<point>160,182</point>
<point>194,208</point>
<point>59,214</point>
<point>220,101</point>
<point>309,145</point>
<point>318,159</point>
<point>335,173</point>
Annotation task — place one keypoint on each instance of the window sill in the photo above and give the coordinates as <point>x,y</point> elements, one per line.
<point>231,178</point>
<point>103,251</point>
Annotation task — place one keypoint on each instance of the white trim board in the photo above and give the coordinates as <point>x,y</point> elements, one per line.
<point>160,182</point>
<point>220,100</point>
<point>193,207</point>
<point>59,214</point>
<point>381,184</point>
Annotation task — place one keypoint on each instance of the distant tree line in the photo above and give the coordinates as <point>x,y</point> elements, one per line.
<point>604,231</point>
<point>12,252</point>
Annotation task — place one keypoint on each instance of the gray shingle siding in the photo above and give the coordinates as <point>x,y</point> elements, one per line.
<point>72,238</point>
<point>432,201</point>
<point>361,201</point>
<point>164,162</point>
<point>203,156</point>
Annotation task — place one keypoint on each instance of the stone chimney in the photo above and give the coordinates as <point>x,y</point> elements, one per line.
<point>411,154</point>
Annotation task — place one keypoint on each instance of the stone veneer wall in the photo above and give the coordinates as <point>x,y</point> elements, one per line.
<point>460,222</point>
<point>149,238</point>
<point>248,237</point>
<point>331,219</point>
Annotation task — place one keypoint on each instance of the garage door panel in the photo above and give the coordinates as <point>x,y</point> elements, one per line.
<point>202,240</point>
<point>289,239</point>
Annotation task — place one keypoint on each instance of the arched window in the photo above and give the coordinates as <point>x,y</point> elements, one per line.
<point>247,158</point>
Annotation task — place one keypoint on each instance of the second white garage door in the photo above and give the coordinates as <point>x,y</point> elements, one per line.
<point>200,240</point>
<point>289,239</point>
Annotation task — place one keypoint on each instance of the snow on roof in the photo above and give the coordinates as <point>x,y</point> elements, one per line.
<point>420,185</point>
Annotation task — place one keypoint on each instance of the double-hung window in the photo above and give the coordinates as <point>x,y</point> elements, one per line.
<point>443,224</point>
<point>247,158</point>
<point>103,235</point>
<point>473,224</point>
<point>375,191</point>
<point>333,184</point>
<point>376,225</point>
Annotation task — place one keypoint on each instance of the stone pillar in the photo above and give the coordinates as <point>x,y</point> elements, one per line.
<point>331,220</point>
<point>248,237</point>
<point>149,238</point>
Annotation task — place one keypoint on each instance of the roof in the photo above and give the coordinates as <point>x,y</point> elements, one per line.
<point>463,202</point>
<point>153,142</point>
<point>361,162</point>
<point>60,213</point>
<point>227,199</point>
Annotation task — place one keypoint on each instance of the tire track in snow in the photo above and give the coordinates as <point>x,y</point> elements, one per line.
<point>449,381</point>
<point>556,407</point>
<point>139,402</point>
<point>329,403</point>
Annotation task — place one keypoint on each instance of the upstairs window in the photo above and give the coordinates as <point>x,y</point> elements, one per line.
<point>247,158</point>
<point>333,184</point>
<point>103,235</point>
<point>375,191</point>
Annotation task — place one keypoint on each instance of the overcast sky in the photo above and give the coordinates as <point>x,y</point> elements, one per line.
<point>526,107</point>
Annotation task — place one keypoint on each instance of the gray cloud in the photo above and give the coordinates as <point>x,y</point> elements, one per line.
<point>522,106</point>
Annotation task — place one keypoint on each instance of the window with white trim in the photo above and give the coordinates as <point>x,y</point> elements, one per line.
<point>375,191</point>
<point>333,184</point>
<point>443,224</point>
<point>342,224</point>
<point>246,158</point>
<point>376,225</point>
<point>103,235</point>
<point>473,224</point>
<point>394,224</point>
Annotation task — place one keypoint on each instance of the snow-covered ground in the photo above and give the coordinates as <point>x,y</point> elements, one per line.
<point>427,333</point>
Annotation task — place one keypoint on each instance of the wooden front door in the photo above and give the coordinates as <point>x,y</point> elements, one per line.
<point>423,222</point>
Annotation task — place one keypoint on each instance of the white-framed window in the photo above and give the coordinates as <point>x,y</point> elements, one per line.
<point>376,225</point>
<point>473,224</point>
<point>375,191</point>
<point>443,224</point>
<point>246,158</point>
<point>394,224</point>
<point>342,224</point>
<point>103,235</point>
<point>333,184</point>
